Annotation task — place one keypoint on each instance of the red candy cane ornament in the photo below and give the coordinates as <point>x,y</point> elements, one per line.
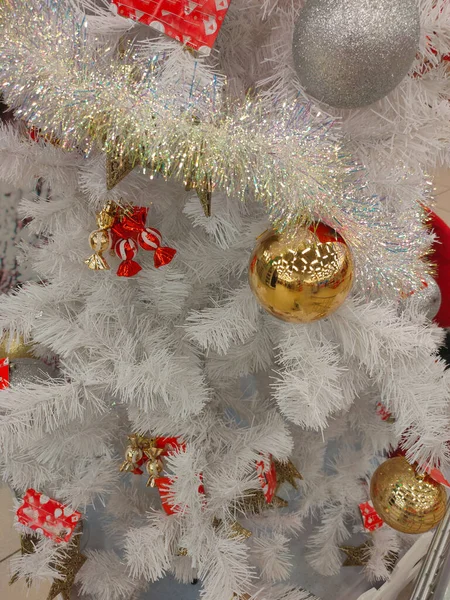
<point>126,250</point>
<point>150,239</point>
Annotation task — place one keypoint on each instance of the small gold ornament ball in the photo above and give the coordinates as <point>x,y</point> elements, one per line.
<point>302,276</point>
<point>100,240</point>
<point>405,499</point>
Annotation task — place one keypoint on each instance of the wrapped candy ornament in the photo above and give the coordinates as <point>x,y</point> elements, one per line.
<point>124,231</point>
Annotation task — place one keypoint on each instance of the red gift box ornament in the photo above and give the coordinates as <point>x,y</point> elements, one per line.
<point>371,519</point>
<point>4,373</point>
<point>47,516</point>
<point>195,23</point>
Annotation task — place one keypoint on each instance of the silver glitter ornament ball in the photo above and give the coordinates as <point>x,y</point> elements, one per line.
<point>351,53</point>
<point>29,370</point>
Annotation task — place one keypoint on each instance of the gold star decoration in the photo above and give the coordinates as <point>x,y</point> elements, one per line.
<point>256,502</point>
<point>117,168</point>
<point>238,531</point>
<point>70,564</point>
<point>235,529</point>
<point>204,192</point>
<point>28,543</point>
<point>287,472</point>
<point>358,556</point>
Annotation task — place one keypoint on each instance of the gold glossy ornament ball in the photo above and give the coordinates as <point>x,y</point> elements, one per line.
<point>302,276</point>
<point>408,501</point>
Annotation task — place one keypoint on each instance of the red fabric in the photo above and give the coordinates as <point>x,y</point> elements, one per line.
<point>128,268</point>
<point>163,484</point>
<point>441,257</point>
<point>131,224</point>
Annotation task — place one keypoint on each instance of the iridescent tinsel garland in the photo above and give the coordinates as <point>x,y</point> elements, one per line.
<point>77,87</point>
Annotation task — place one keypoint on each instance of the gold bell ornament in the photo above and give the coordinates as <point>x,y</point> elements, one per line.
<point>405,499</point>
<point>301,276</point>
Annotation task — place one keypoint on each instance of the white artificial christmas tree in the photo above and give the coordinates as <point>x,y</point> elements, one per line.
<point>185,351</point>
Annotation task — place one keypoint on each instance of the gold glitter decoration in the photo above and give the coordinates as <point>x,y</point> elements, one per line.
<point>70,564</point>
<point>204,191</point>
<point>256,502</point>
<point>287,472</point>
<point>15,347</point>
<point>303,277</point>
<point>239,531</point>
<point>405,499</point>
<point>359,556</point>
<point>117,169</point>
<point>236,529</point>
<point>356,556</point>
<point>28,543</point>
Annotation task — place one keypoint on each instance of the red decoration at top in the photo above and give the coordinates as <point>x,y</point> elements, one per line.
<point>194,23</point>
<point>4,373</point>
<point>267,476</point>
<point>47,516</point>
<point>441,258</point>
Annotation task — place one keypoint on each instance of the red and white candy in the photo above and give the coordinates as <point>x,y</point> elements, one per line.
<point>126,250</point>
<point>150,239</point>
